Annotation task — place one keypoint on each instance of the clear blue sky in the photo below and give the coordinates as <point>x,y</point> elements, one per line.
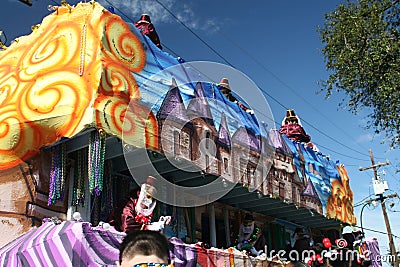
<point>277,45</point>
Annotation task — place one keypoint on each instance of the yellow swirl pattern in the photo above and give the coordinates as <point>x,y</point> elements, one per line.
<point>79,60</point>
<point>116,80</point>
<point>121,45</point>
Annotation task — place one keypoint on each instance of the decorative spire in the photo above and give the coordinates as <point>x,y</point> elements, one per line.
<point>199,107</point>
<point>310,191</point>
<point>246,138</point>
<point>172,106</point>
<point>276,141</point>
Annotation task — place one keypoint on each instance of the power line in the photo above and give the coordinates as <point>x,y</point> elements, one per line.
<point>230,64</point>
<point>195,34</point>
<point>287,86</point>
<point>344,155</point>
<point>376,231</point>
<point>362,201</point>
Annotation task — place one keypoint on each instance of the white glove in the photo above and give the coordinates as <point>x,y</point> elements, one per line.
<point>158,226</point>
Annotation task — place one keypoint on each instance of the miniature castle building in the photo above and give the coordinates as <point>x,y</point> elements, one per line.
<point>175,128</point>
<point>246,155</point>
<point>204,133</point>
<point>310,199</point>
<point>282,179</point>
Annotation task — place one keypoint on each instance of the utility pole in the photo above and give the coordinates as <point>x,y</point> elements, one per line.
<point>383,205</point>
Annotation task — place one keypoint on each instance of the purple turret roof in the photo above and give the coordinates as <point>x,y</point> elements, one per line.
<point>224,137</point>
<point>172,106</point>
<point>275,140</point>
<point>246,138</point>
<point>198,107</point>
<point>309,190</point>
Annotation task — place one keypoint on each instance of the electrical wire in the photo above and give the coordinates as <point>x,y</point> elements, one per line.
<point>195,34</point>
<point>230,64</point>
<point>362,201</point>
<point>288,86</point>
<point>376,231</point>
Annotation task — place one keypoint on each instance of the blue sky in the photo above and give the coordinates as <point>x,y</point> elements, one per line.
<point>277,45</point>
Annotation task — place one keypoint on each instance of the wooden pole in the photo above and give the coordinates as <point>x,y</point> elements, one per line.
<point>383,205</point>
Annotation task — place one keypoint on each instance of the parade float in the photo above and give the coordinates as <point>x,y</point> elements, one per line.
<point>78,94</point>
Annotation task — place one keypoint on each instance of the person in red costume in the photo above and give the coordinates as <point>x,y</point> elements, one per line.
<point>291,127</point>
<point>147,28</point>
<point>135,212</point>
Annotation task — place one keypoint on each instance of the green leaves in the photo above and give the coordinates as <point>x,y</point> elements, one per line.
<point>362,54</point>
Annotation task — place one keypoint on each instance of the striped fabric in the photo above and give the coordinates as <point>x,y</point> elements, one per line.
<point>67,244</point>
<point>77,244</point>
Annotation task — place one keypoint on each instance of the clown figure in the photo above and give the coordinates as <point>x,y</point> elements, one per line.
<point>133,214</point>
<point>248,235</point>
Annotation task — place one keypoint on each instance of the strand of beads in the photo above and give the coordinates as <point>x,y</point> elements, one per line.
<point>80,172</point>
<point>57,173</point>
<point>97,149</point>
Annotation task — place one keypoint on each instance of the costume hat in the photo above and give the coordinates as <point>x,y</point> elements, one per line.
<point>299,231</point>
<point>291,116</point>
<point>224,83</point>
<point>347,230</point>
<point>145,18</point>
<point>150,185</point>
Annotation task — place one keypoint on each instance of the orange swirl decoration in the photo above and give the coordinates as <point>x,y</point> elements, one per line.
<point>116,80</point>
<point>143,121</point>
<point>51,52</point>
<point>137,124</point>
<point>8,84</point>
<point>110,112</point>
<point>340,203</point>
<point>54,104</point>
<point>16,138</point>
<point>121,45</point>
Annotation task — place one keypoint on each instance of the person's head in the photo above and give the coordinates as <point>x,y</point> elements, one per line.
<point>248,220</point>
<point>143,247</point>
<point>224,86</point>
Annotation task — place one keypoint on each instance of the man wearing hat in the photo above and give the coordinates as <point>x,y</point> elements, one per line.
<point>134,214</point>
<point>147,28</point>
<point>226,91</point>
